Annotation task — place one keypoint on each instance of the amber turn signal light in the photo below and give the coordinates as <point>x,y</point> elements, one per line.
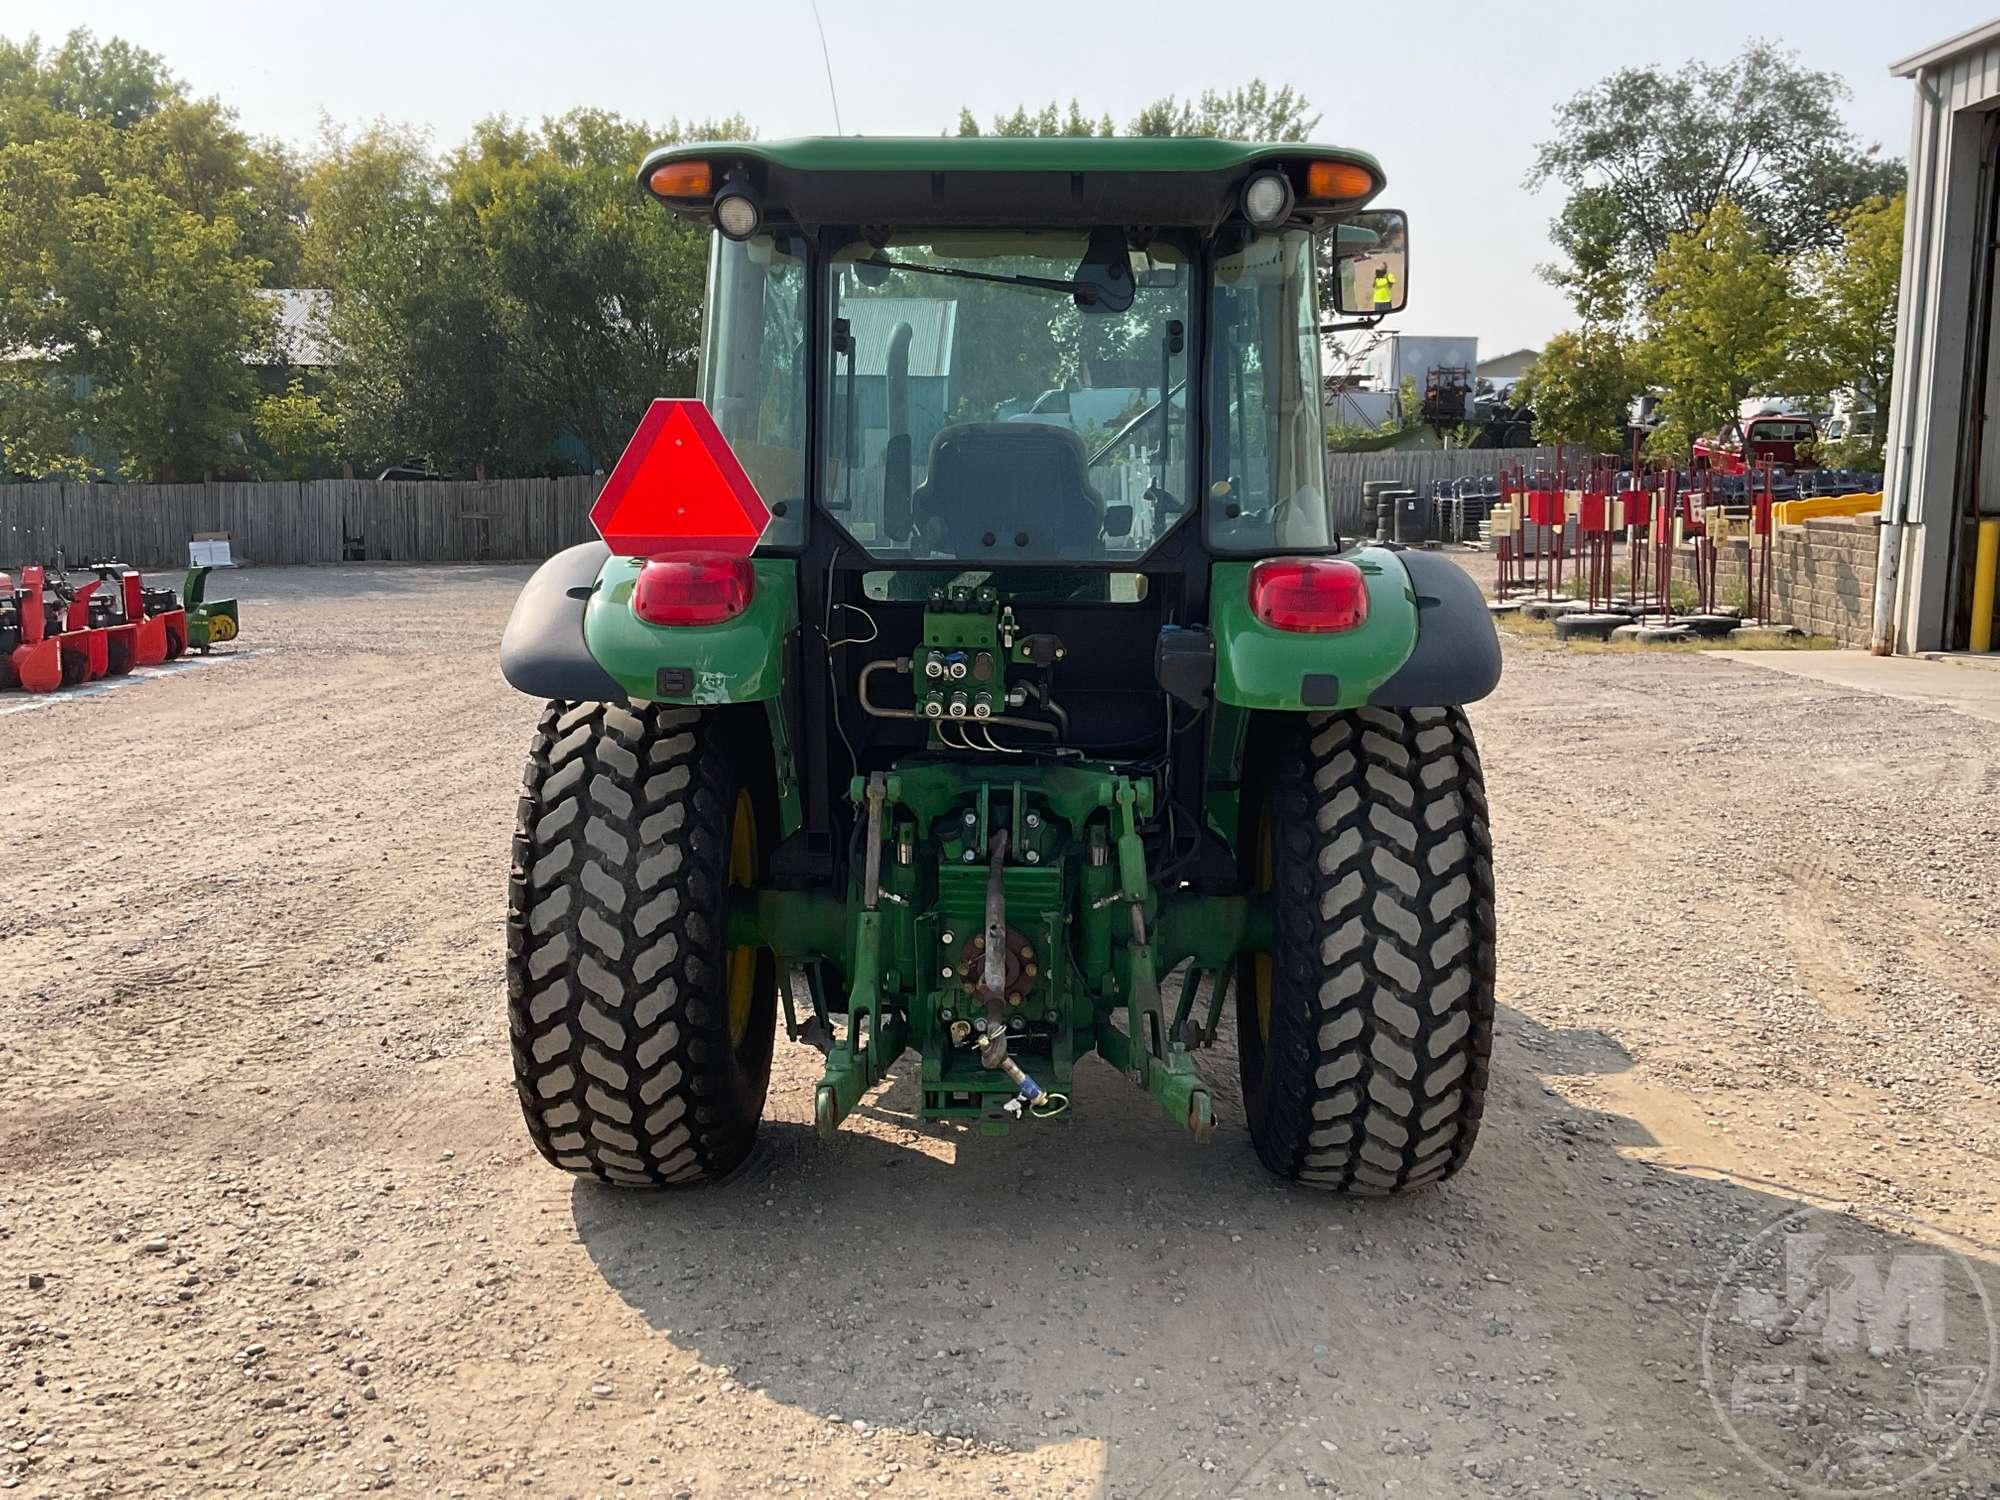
<point>681,179</point>
<point>1337,179</point>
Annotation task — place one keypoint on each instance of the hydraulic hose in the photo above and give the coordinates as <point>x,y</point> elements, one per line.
<point>902,664</point>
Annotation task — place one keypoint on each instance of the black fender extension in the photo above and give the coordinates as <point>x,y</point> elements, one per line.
<point>1457,656</point>
<point>542,652</point>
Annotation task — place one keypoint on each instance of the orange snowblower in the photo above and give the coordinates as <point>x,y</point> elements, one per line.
<point>54,634</point>
<point>30,634</point>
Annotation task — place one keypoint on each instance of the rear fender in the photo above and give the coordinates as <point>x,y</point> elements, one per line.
<point>1428,642</point>
<point>738,661</point>
<point>1451,656</point>
<point>1258,666</point>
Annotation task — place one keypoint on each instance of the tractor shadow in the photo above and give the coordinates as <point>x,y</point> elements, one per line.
<point>1106,1280</point>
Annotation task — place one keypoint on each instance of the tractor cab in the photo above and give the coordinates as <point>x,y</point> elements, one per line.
<point>975,660</point>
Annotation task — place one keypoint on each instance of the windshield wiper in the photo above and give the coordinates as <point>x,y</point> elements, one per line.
<point>1083,291</point>
<point>1122,433</point>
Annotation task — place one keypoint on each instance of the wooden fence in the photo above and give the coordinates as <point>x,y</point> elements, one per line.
<point>500,520</point>
<point>318,521</point>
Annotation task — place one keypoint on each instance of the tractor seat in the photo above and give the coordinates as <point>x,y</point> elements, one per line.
<point>993,483</point>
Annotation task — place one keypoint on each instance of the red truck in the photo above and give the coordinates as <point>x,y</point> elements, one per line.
<point>1786,440</point>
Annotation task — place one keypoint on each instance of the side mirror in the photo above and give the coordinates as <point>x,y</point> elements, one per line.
<point>1371,261</point>
<point>1117,520</point>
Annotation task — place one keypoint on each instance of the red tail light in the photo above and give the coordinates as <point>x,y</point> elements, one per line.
<point>1308,593</point>
<point>695,588</point>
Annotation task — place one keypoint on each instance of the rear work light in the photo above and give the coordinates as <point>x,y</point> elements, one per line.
<point>737,213</point>
<point>1267,199</point>
<point>695,588</point>
<point>1308,593</point>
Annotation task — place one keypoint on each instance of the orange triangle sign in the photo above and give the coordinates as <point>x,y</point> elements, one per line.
<point>679,488</point>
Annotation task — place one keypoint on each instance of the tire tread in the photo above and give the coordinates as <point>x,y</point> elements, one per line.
<point>1374,1077</point>
<point>621,1056</point>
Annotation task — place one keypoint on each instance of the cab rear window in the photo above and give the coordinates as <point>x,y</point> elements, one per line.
<point>1781,432</point>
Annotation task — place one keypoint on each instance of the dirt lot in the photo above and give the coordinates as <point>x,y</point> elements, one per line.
<point>269,1220</point>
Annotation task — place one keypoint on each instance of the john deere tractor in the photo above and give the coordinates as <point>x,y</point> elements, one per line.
<point>976,671</point>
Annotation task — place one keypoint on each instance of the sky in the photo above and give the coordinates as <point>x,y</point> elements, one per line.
<point>1451,97</point>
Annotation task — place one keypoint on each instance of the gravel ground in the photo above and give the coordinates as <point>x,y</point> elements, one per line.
<point>269,1220</point>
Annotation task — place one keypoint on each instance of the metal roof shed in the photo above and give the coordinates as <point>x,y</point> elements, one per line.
<point>1941,477</point>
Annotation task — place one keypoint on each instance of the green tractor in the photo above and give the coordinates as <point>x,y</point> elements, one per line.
<point>976,671</point>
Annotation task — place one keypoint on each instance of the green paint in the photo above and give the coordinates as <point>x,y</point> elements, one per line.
<point>1036,909</point>
<point>1181,1092</point>
<point>1077,901</point>
<point>791,807</point>
<point>796,925</point>
<point>1211,930</point>
<point>1259,667</point>
<point>1228,732</point>
<point>930,789</point>
<point>738,661</point>
<point>863,1052</point>
<point>930,153</point>
<point>208,620</point>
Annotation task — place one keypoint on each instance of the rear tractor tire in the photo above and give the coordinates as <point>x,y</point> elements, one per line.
<point>642,1047</point>
<point>1364,1033</point>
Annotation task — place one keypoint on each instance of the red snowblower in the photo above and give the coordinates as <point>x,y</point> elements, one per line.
<point>54,634</point>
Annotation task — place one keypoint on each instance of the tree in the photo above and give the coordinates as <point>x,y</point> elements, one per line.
<point>1596,272</point>
<point>1720,323</point>
<point>113,83</point>
<point>1249,112</point>
<point>159,310</point>
<point>124,115</point>
<point>300,430</point>
<point>38,434</point>
<point>1048,121</point>
<point>513,307</point>
<point>598,291</point>
<point>132,315</point>
<point>1648,154</point>
<point>1848,323</point>
<point>350,185</point>
<point>194,152</point>
<point>1581,387</point>
<point>135,226</point>
<point>418,361</point>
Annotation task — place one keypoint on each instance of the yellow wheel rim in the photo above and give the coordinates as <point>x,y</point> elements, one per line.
<point>741,976</point>
<point>1261,967</point>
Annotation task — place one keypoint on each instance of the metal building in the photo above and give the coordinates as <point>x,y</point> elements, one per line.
<point>1944,412</point>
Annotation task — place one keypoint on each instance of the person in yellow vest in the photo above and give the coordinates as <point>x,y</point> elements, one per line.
<point>1385,290</point>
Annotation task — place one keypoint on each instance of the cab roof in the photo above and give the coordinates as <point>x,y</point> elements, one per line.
<point>1005,180</point>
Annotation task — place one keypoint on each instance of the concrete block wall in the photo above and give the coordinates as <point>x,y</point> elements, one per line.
<point>1822,577</point>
